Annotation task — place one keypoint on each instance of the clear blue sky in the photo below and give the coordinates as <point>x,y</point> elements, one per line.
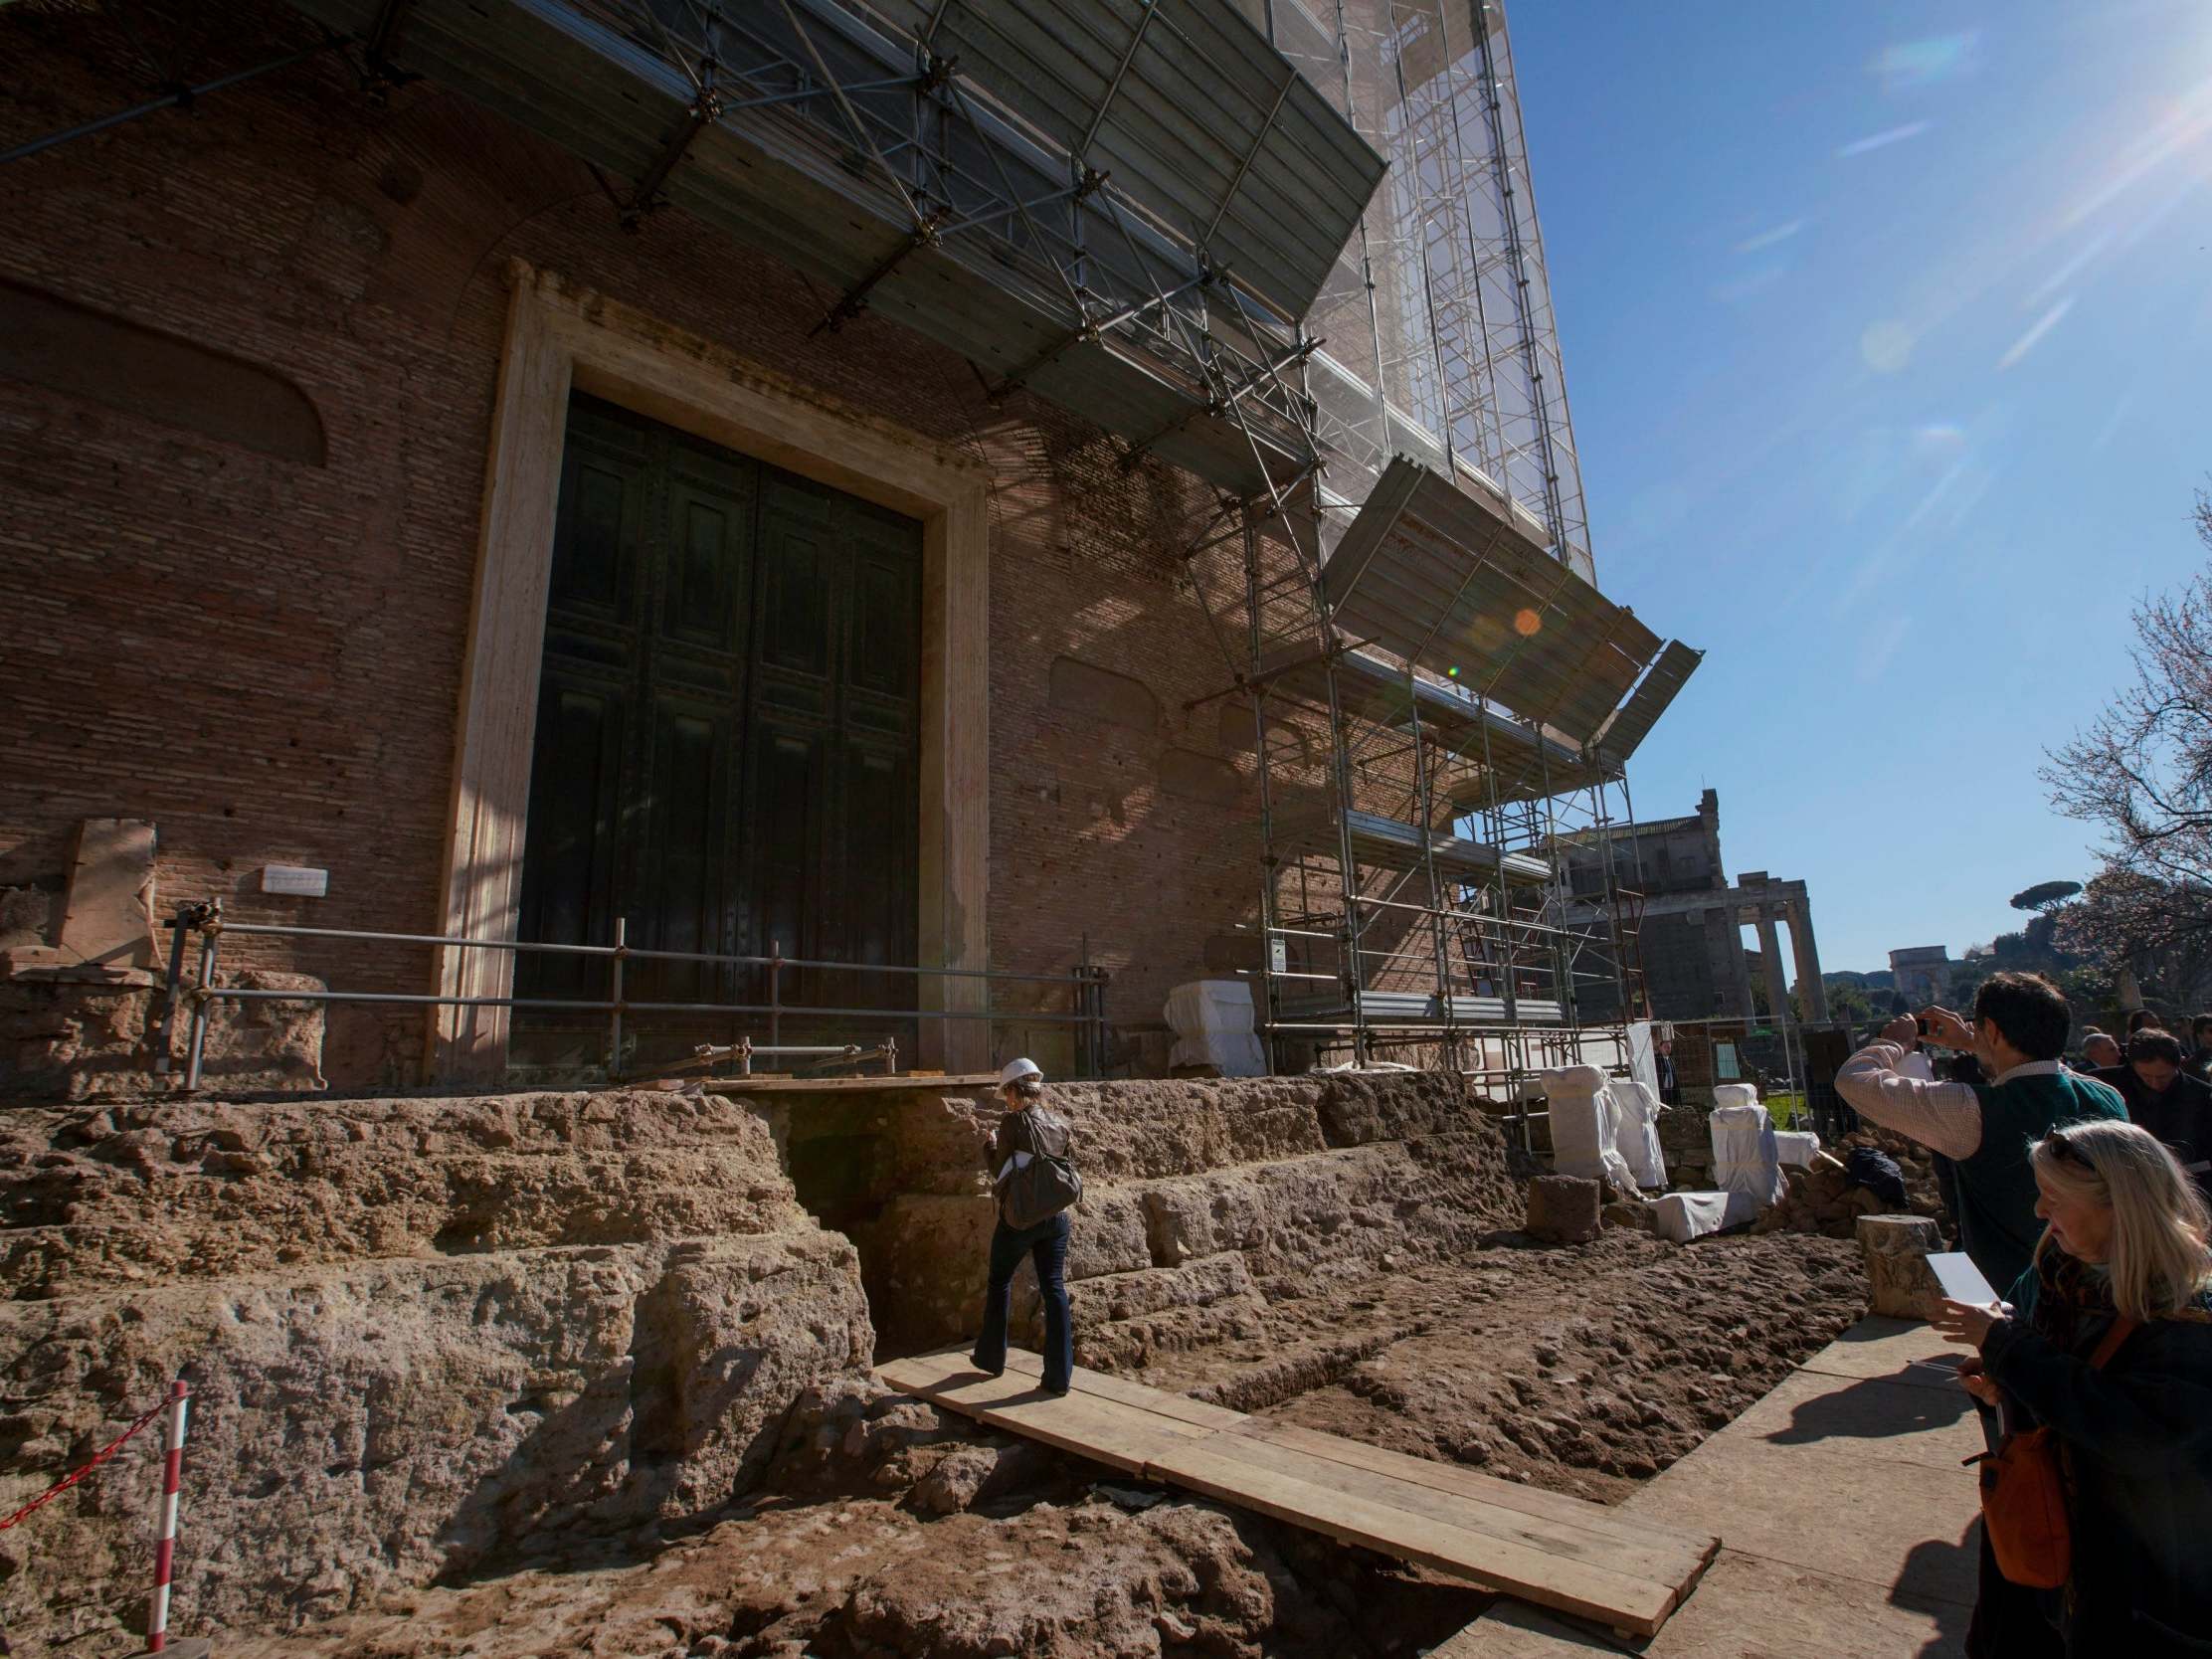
<point>1889,342</point>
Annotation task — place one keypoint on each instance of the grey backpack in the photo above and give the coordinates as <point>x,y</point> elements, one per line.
<point>1041,1188</point>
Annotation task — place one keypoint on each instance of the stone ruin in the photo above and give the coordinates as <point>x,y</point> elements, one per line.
<point>427,1337</point>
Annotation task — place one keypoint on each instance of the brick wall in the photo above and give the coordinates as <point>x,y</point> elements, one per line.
<point>262,654</point>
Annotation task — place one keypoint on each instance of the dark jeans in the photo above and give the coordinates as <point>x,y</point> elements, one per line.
<point>1046,1244</point>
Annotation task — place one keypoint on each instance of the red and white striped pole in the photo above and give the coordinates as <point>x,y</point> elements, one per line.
<point>164,1557</point>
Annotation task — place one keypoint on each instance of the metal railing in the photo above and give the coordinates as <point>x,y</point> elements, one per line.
<point>1085,985</point>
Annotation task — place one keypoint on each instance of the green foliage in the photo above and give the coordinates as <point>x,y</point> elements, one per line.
<point>2046,895</point>
<point>1848,999</point>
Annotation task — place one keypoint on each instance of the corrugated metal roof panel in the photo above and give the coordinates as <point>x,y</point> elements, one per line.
<point>1459,588</point>
<point>783,181</point>
<point>1632,723</point>
<point>1204,126</point>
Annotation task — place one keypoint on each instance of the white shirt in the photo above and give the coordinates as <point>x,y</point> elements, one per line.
<point>1944,1117</point>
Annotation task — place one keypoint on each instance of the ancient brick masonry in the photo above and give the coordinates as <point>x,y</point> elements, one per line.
<point>261,655</point>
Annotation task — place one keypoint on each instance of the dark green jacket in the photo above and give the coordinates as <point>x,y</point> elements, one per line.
<point>1996,1188</point>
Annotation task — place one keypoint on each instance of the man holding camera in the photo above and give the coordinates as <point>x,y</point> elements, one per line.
<point>2018,1032</point>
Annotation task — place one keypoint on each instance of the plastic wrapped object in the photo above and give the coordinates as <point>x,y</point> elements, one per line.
<point>1636,1133</point>
<point>1746,1159</point>
<point>1213,1023</point>
<point>1682,1217</point>
<point>1585,1122</point>
<point>1796,1148</point>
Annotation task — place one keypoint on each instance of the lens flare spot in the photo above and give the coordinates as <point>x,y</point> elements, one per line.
<point>1453,671</point>
<point>1886,347</point>
<point>1526,623</point>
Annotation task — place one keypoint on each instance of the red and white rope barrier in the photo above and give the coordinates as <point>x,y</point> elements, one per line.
<point>67,1481</point>
<point>165,1548</point>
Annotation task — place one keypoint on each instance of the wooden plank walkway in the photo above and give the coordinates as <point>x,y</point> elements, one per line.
<point>1559,1553</point>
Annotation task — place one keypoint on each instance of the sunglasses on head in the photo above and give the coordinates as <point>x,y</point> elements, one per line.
<point>2063,1148</point>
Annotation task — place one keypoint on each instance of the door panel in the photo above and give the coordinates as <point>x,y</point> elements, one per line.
<point>571,901</point>
<point>727,749</point>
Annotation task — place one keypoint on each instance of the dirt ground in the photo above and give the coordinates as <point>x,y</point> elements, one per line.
<point>889,1531</point>
<point>1584,1369</point>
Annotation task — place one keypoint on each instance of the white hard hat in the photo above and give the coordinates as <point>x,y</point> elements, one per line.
<point>1016,1070</point>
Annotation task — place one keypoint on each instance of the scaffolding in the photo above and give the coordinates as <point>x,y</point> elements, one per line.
<point>1289,247</point>
<point>1439,709</point>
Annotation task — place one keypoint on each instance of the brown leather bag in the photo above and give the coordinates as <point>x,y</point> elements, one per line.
<point>2023,1494</point>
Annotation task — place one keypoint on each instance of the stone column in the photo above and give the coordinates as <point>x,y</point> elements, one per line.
<point>1736,970</point>
<point>1799,916</point>
<point>1777,981</point>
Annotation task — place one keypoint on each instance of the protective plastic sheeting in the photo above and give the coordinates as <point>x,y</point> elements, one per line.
<point>1636,1132</point>
<point>1796,1148</point>
<point>1584,1123</point>
<point>1746,1159</point>
<point>1212,1023</point>
<point>1682,1217</point>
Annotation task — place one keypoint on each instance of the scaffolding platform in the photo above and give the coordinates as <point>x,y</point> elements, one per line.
<point>1415,1010</point>
<point>1128,211</point>
<point>1369,688</point>
<point>1388,843</point>
<point>1550,1551</point>
<point>1455,584</point>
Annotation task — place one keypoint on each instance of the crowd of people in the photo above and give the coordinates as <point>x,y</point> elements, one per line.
<point>2078,1190</point>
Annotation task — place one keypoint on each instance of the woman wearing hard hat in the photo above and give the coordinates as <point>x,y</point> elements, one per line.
<point>1035,1184</point>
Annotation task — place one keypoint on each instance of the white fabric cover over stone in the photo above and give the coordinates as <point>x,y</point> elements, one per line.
<point>1584,1123</point>
<point>1735,1094</point>
<point>1796,1148</point>
<point>1213,1023</point>
<point>1637,1132</point>
<point>1682,1217</point>
<point>1745,1157</point>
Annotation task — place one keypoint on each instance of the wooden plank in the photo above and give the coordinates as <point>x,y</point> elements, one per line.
<point>1658,1563</point>
<point>1559,1553</point>
<point>1695,1550</point>
<point>1569,1527</point>
<point>1095,1429</point>
<point>1597,1593</point>
<point>1178,1408</point>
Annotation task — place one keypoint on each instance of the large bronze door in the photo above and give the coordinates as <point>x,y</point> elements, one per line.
<point>727,739</point>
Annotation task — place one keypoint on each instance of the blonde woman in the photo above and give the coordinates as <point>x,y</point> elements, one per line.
<point>2125,1238</point>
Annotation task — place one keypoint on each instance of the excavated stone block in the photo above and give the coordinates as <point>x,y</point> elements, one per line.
<point>1361,1108</point>
<point>1147,1131</point>
<point>1899,1283</point>
<point>928,1259</point>
<point>1199,1284</point>
<point>1109,1233</point>
<point>208,1189</point>
<point>1124,1319</point>
<point>423,1335</point>
<point>1563,1210</point>
<point>379,1425</point>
